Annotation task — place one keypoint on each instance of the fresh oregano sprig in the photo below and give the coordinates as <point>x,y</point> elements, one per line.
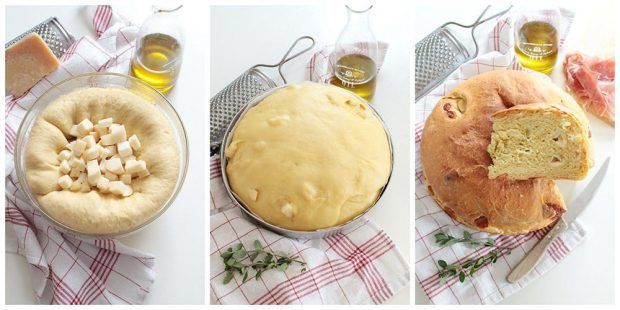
<point>443,239</point>
<point>260,260</point>
<point>470,266</point>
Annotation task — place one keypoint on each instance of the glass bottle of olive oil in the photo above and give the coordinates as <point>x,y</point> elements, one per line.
<point>354,59</point>
<point>357,73</point>
<point>537,40</point>
<point>159,50</point>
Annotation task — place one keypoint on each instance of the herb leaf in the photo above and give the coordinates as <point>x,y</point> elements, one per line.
<point>469,266</point>
<point>260,260</point>
<point>228,276</point>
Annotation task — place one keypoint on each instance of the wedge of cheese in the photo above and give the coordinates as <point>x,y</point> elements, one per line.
<point>26,63</point>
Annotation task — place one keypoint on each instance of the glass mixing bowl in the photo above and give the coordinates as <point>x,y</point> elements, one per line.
<point>103,80</point>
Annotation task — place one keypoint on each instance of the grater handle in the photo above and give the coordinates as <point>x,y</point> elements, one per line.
<point>479,21</point>
<point>286,58</point>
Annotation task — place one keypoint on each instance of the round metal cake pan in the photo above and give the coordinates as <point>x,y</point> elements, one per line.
<point>297,234</point>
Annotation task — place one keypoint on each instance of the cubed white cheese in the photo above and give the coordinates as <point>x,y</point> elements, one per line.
<point>78,147</point>
<point>64,155</point>
<point>94,173</point>
<point>102,166</point>
<point>111,150</point>
<point>288,210</point>
<point>92,152</point>
<point>75,172</point>
<point>84,127</point>
<point>75,186</point>
<point>124,149</point>
<point>90,141</point>
<point>134,142</point>
<point>95,135</point>
<point>103,185</point>
<point>65,181</point>
<point>144,173</point>
<point>106,122</point>
<point>125,159</point>
<point>107,140</point>
<point>114,165</point>
<point>126,178</point>
<point>117,187</point>
<point>110,176</point>
<point>118,133</point>
<point>253,194</point>
<point>77,163</point>
<point>74,131</point>
<point>127,191</point>
<point>101,152</point>
<point>82,180</point>
<point>101,130</point>
<point>135,166</point>
<point>65,167</point>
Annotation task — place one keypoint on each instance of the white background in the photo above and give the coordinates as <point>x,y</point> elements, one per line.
<point>244,36</point>
<point>585,276</point>
<point>177,237</point>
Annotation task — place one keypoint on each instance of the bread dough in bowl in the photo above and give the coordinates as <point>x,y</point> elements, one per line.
<point>308,156</point>
<point>94,212</point>
<point>455,161</point>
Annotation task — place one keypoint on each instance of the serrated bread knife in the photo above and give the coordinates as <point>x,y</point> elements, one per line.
<point>533,257</point>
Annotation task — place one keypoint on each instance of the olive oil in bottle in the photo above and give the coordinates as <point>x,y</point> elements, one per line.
<point>357,73</point>
<point>355,55</point>
<point>157,61</point>
<point>536,46</point>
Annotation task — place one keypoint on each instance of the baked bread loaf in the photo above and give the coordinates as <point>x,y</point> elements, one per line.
<point>455,160</point>
<point>308,156</point>
<point>538,140</point>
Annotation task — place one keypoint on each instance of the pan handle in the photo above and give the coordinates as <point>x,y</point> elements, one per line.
<point>286,58</point>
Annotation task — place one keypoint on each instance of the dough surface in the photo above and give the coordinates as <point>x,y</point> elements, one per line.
<point>309,156</point>
<point>93,212</point>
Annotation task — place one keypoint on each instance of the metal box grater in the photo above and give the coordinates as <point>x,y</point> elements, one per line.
<point>235,96</point>
<point>447,55</point>
<point>230,100</point>
<point>440,53</point>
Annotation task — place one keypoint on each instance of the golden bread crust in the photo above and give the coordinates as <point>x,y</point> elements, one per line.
<point>455,160</point>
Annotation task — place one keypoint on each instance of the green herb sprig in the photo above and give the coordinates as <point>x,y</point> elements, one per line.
<point>260,260</point>
<point>471,265</point>
<point>443,239</point>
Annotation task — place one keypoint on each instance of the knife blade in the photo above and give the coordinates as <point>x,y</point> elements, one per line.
<point>532,258</point>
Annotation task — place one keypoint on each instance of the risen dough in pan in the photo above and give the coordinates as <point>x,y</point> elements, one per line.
<point>309,156</point>
<point>94,212</point>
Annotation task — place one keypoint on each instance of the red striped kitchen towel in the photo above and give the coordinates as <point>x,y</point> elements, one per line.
<point>488,285</point>
<point>321,69</point>
<point>358,266</point>
<point>66,269</point>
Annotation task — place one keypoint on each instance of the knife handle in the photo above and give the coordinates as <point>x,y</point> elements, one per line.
<point>532,258</point>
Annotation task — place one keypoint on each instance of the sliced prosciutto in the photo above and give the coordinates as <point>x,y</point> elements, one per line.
<point>591,81</point>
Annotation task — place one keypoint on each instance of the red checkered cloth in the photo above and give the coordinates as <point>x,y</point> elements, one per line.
<point>358,266</point>
<point>321,69</point>
<point>66,269</point>
<point>488,285</point>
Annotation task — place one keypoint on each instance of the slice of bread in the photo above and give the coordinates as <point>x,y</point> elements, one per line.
<point>539,140</point>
